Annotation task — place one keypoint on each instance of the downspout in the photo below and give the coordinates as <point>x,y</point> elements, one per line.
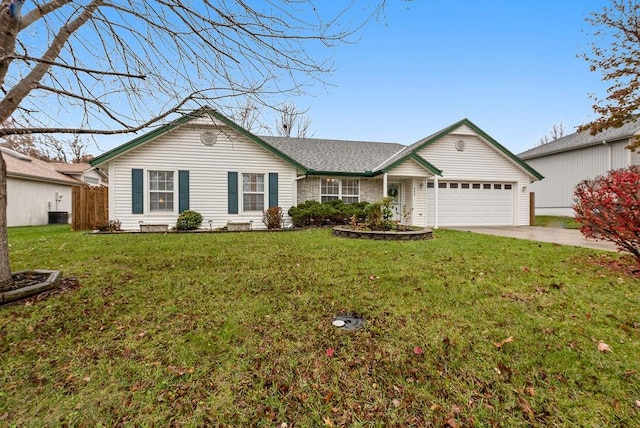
<point>435,201</point>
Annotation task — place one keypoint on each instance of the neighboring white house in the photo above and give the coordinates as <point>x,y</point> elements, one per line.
<point>83,172</point>
<point>34,189</point>
<point>205,162</point>
<point>567,161</point>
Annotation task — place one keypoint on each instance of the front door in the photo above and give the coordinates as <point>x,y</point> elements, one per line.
<point>395,191</point>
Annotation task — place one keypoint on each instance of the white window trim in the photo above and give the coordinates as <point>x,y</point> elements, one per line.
<point>147,191</point>
<point>340,194</point>
<point>265,193</point>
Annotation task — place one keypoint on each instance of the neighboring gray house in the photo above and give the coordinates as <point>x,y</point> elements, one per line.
<point>568,160</point>
<point>205,162</point>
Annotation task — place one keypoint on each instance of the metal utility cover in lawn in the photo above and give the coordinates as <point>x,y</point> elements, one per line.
<point>349,322</point>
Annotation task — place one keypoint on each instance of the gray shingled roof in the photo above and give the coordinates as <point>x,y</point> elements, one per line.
<point>582,139</point>
<point>335,155</point>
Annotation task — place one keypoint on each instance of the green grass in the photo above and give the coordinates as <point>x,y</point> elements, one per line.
<point>232,330</point>
<point>556,221</point>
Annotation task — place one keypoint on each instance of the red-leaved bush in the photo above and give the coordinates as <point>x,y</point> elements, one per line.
<point>608,208</point>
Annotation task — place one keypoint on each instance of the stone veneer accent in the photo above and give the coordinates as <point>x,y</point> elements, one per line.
<point>309,189</point>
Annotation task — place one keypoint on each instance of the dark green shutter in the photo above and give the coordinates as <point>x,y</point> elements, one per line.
<point>183,191</point>
<point>137,191</point>
<point>232,191</point>
<point>273,189</point>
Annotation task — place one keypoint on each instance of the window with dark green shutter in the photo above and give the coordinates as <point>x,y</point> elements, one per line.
<point>273,189</point>
<point>137,191</point>
<point>183,190</point>
<point>232,192</point>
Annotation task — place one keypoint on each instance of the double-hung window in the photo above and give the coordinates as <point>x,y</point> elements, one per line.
<point>161,191</point>
<point>253,192</point>
<point>334,188</point>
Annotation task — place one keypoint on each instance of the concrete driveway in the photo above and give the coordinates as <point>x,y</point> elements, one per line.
<point>543,234</point>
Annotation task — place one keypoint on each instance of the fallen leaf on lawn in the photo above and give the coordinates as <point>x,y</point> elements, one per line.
<point>504,370</point>
<point>451,423</point>
<point>525,269</point>
<point>396,402</point>
<point>330,352</point>
<point>530,391</point>
<point>637,403</point>
<point>603,347</point>
<point>526,407</point>
<point>500,344</point>
<point>418,350</point>
<point>327,422</point>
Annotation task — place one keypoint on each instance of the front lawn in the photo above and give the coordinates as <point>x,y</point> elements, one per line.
<point>235,330</point>
<point>556,221</point>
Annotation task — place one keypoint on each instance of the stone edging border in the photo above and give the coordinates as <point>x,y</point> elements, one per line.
<point>409,235</point>
<point>52,281</point>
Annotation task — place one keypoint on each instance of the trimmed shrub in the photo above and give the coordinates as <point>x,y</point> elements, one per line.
<point>272,218</point>
<point>314,213</point>
<point>189,220</point>
<point>608,208</point>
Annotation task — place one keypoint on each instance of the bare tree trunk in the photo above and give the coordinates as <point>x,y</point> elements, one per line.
<point>5,267</point>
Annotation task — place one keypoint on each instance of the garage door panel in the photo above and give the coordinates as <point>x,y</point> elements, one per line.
<point>480,206</point>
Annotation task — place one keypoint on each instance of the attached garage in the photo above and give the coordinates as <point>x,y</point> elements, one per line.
<point>471,203</point>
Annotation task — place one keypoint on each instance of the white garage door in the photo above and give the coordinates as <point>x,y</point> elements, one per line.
<point>472,203</point>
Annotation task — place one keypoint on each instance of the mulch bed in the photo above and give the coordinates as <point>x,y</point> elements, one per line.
<point>25,279</point>
<point>29,278</point>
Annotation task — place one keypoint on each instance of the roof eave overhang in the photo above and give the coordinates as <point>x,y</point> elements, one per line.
<point>313,172</point>
<point>43,179</point>
<point>578,147</point>
<point>419,159</point>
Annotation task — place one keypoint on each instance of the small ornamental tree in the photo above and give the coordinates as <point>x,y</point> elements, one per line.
<point>608,208</point>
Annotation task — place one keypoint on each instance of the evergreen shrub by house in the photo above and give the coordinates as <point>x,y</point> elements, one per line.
<point>336,212</point>
<point>189,220</point>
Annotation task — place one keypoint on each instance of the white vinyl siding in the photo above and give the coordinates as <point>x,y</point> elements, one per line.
<point>208,166</point>
<point>410,168</point>
<point>480,162</point>
<point>33,210</point>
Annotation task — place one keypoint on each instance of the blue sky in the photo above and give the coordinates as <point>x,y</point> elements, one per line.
<point>511,67</point>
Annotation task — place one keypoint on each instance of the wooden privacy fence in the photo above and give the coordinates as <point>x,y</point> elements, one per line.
<point>90,207</point>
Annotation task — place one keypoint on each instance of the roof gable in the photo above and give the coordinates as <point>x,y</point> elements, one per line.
<point>149,136</point>
<point>431,139</point>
